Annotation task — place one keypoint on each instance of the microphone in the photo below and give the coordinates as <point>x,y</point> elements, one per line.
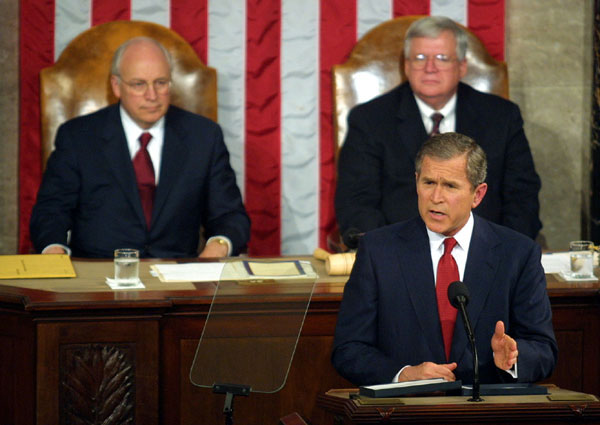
<point>458,295</point>
<point>352,237</point>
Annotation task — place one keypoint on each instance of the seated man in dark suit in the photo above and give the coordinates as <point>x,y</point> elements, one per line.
<point>140,174</point>
<point>376,162</point>
<point>395,321</point>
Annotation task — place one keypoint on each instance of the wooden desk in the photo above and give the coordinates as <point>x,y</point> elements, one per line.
<point>500,410</point>
<point>53,331</point>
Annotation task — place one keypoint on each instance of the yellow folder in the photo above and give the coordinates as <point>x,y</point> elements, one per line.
<point>35,266</point>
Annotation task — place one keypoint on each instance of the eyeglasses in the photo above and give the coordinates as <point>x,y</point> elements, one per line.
<point>441,61</point>
<point>140,87</point>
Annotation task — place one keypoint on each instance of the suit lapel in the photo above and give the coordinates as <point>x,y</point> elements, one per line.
<point>174,154</point>
<point>115,150</point>
<point>414,256</point>
<point>480,277</point>
<point>411,131</point>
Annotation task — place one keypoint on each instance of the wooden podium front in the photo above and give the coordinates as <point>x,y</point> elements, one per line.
<point>558,407</point>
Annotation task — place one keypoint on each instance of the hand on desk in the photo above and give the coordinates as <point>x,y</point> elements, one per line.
<point>214,249</point>
<point>54,250</point>
<point>428,370</point>
<point>504,348</point>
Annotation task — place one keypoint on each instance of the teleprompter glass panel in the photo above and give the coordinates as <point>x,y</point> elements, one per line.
<point>253,325</point>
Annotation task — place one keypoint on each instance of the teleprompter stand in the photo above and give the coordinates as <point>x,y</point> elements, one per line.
<point>250,336</point>
<point>230,390</point>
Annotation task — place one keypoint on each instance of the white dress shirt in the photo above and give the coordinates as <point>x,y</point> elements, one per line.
<point>448,123</point>
<point>133,133</point>
<point>460,251</point>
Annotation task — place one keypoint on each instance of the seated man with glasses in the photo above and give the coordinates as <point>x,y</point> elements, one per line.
<point>376,163</point>
<point>140,174</point>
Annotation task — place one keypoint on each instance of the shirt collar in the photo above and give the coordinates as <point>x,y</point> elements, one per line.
<point>133,131</point>
<point>426,110</point>
<point>463,236</point>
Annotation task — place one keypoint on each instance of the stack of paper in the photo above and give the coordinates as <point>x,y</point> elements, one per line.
<point>398,389</point>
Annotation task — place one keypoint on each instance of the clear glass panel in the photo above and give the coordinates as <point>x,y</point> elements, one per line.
<point>251,332</point>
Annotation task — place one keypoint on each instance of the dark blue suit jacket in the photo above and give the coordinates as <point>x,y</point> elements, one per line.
<point>89,188</point>
<point>376,165</point>
<point>388,318</point>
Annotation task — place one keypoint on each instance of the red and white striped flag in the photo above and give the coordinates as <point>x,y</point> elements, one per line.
<point>273,59</point>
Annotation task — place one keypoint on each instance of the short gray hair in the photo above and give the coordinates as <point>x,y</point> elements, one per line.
<point>432,27</point>
<point>116,60</point>
<point>450,145</point>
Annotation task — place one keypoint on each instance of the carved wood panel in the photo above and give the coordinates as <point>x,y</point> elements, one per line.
<point>97,372</point>
<point>97,384</point>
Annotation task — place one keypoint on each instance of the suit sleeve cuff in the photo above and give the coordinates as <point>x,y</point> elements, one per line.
<point>513,371</point>
<point>398,374</point>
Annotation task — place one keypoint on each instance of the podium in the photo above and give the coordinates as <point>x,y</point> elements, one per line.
<point>558,407</point>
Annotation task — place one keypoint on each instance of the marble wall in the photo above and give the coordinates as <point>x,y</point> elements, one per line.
<point>549,54</point>
<point>9,119</point>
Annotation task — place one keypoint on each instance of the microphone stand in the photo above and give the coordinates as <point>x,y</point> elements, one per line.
<point>476,394</point>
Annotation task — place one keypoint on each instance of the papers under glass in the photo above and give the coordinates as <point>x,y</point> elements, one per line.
<point>245,270</point>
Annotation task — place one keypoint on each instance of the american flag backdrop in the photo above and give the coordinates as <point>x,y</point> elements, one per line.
<point>273,59</point>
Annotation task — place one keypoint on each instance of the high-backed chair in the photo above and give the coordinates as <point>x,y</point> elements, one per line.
<point>376,65</point>
<point>79,82</point>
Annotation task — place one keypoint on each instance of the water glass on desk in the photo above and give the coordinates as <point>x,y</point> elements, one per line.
<point>582,259</point>
<point>127,266</point>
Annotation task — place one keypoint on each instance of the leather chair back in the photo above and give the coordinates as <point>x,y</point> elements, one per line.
<point>79,82</point>
<point>376,65</point>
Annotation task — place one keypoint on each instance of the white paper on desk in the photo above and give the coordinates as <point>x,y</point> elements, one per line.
<point>567,276</point>
<point>560,262</point>
<point>556,262</point>
<point>189,272</point>
<point>117,286</point>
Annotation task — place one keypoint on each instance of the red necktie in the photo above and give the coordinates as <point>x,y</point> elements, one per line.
<point>144,173</point>
<point>436,118</point>
<point>447,272</point>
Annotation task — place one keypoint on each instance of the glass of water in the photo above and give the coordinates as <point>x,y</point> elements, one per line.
<point>582,259</point>
<point>127,266</point>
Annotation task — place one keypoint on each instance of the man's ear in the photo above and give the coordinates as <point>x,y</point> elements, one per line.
<point>478,195</point>
<point>462,68</point>
<point>114,84</point>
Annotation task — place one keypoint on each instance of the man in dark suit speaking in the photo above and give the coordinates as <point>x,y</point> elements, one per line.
<point>140,174</point>
<point>376,162</point>
<point>395,322</point>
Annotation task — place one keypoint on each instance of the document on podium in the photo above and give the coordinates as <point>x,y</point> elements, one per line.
<point>421,386</point>
<point>36,266</point>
